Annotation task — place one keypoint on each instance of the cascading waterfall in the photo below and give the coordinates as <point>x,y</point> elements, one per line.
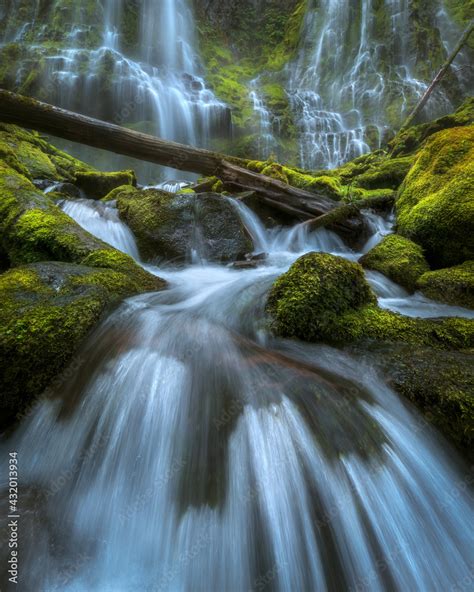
<point>159,90</point>
<point>348,78</point>
<point>192,450</point>
<point>267,123</point>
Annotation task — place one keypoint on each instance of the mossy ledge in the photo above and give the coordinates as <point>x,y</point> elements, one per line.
<point>58,280</point>
<point>326,298</point>
<point>453,285</point>
<point>46,311</point>
<point>399,258</point>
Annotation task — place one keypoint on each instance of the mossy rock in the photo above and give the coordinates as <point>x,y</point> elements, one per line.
<point>112,195</point>
<point>399,258</point>
<point>31,156</point>
<point>326,298</point>
<point>169,225</point>
<point>33,228</point>
<point>46,311</point>
<point>98,185</point>
<point>454,285</point>
<point>388,174</point>
<point>307,300</point>
<point>435,207</point>
<point>440,384</point>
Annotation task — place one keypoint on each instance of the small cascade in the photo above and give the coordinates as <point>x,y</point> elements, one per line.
<point>266,140</point>
<point>102,220</point>
<point>346,78</point>
<point>157,88</point>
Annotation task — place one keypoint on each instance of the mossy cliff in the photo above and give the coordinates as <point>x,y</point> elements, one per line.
<point>58,280</point>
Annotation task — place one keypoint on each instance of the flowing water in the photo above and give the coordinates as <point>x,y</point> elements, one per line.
<point>356,76</point>
<point>158,88</point>
<point>191,450</point>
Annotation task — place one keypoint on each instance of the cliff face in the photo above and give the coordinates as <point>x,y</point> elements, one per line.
<point>314,82</point>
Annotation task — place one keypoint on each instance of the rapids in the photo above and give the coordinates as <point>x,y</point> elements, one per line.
<point>189,449</point>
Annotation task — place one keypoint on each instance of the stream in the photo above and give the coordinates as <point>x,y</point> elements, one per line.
<point>189,449</point>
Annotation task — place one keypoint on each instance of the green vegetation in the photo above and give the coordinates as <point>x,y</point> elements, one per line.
<point>326,298</point>
<point>435,207</point>
<point>454,285</point>
<point>163,224</point>
<point>99,185</point>
<point>399,259</point>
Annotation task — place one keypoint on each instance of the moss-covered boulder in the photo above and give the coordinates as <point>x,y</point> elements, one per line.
<point>435,207</point>
<point>33,228</point>
<point>326,298</point>
<point>409,140</point>
<point>169,225</point>
<point>98,185</point>
<point>454,285</point>
<point>399,258</point>
<point>31,156</point>
<point>440,384</point>
<point>46,311</point>
<point>308,299</point>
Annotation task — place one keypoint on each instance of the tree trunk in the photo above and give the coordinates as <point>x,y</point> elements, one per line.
<point>439,76</point>
<point>45,118</point>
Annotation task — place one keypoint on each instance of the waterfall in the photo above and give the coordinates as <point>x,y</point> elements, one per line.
<point>157,87</point>
<point>266,122</point>
<point>355,78</point>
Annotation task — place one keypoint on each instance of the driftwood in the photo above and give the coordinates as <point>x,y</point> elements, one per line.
<point>71,126</point>
<point>439,76</point>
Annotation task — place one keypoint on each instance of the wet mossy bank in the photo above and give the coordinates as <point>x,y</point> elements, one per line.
<point>58,280</point>
<point>325,298</point>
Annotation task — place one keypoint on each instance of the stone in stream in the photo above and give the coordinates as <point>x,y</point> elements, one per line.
<point>170,225</point>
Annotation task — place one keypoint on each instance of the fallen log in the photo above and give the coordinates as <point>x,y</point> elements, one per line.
<point>339,215</point>
<point>30,113</point>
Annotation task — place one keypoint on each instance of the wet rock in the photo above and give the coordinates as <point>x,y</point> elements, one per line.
<point>169,226</point>
<point>97,185</point>
<point>46,311</point>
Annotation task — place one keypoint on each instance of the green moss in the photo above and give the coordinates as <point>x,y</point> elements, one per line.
<point>308,299</point>
<point>326,298</point>
<point>33,157</point>
<point>440,384</point>
<point>435,207</point>
<point>389,174</point>
<point>98,185</point>
<point>398,258</point>
<point>46,311</point>
<point>409,140</point>
<point>34,229</point>
<point>454,285</point>
<point>112,195</point>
